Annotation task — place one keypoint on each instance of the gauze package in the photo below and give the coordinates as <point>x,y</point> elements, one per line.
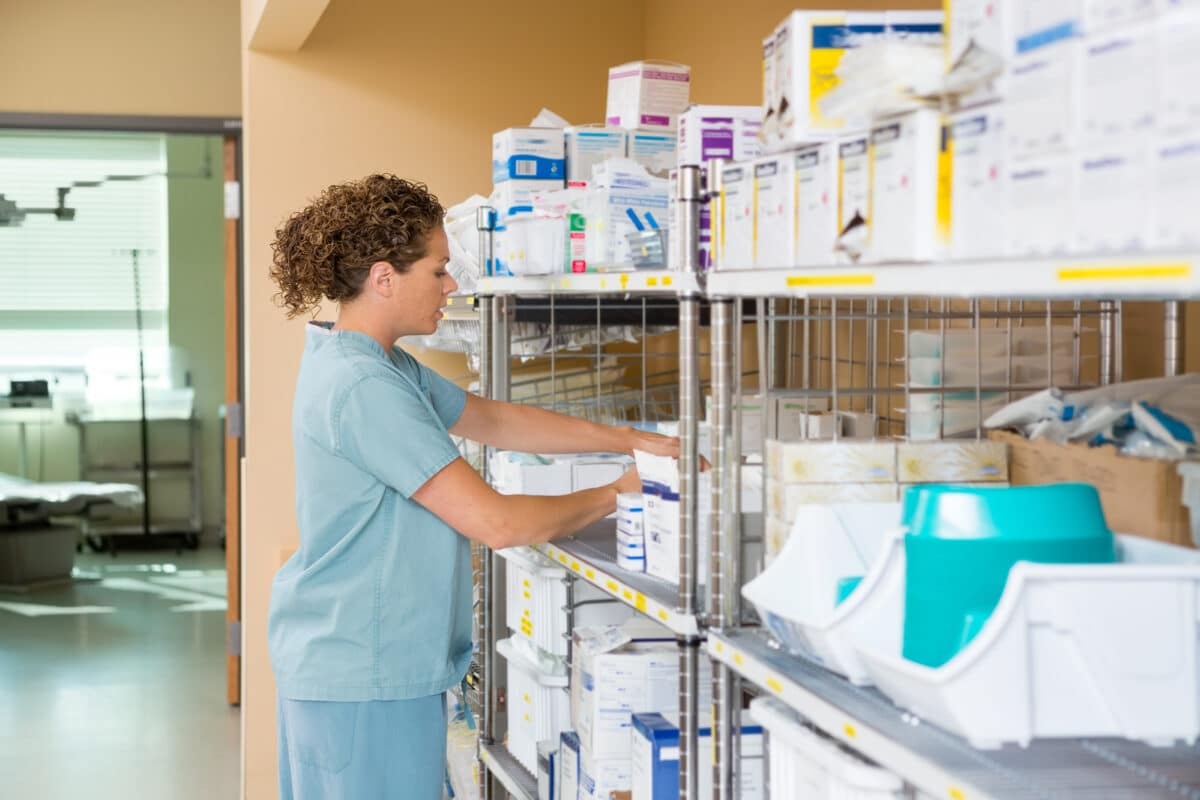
<point>907,153</point>
<point>654,150</point>
<point>977,205</point>
<point>589,145</point>
<point>816,225</point>
<point>735,245</point>
<point>1114,201</point>
<point>1040,202</point>
<point>728,132</point>
<point>647,94</point>
<point>774,235</point>
<point>528,154</point>
<point>853,196</point>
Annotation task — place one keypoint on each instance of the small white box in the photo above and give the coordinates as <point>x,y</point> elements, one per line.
<point>775,212</point>
<point>854,195</point>
<point>600,777</point>
<point>816,226</point>
<point>654,150</point>
<point>1044,100</point>
<point>595,471</point>
<point>857,424</point>
<point>587,146</point>
<point>906,153</point>
<point>1100,15</point>
<point>977,219</point>
<point>788,415</point>
<point>568,766</point>
<point>1040,199</point>
<point>820,425</point>
<point>1179,71</point>
<point>1114,200</point>
<point>647,94</point>
<point>1119,88</point>
<point>521,473</point>
<point>1175,164</point>
<point>736,232</point>
<point>528,154</point>
<point>515,197</point>
<point>728,132</point>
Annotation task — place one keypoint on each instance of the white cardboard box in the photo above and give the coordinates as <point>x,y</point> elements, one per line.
<point>816,226</point>
<point>654,150</point>
<point>905,157</point>
<point>1114,201</point>
<point>600,777</point>
<point>588,145</point>
<point>775,211</point>
<point>515,197</point>
<point>736,232</point>
<point>1036,23</point>
<point>728,132</point>
<point>1179,70</point>
<point>1119,85</point>
<point>844,461</point>
<point>528,154</point>
<point>1175,164</point>
<point>1040,199</point>
<point>982,23</point>
<point>568,766</point>
<point>977,216</point>
<point>950,461</point>
<point>647,94</point>
<point>854,191</point>
<point>1101,15</point>
<point>1044,98</point>
<point>789,424</point>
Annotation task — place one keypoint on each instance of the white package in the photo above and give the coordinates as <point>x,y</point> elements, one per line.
<point>600,777</point>
<point>1101,15</point>
<point>528,154</point>
<point>736,231</point>
<point>728,132</point>
<point>592,471</point>
<point>1119,87</point>
<point>523,473</point>
<point>647,94</point>
<point>623,190</point>
<point>853,195</point>
<point>514,197</point>
<point>977,221</point>
<point>568,766</point>
<point>905,157</point>
<point>1179,71</point>
<point>775,212</point>
<point>983,24</point>
<point>588,145</point>
<point>816,226</point>
<point>654,150</point>
<point>1175,164</point>
<point>1044,99</point>
<point>1039,216</point>
<point>1114,201</point>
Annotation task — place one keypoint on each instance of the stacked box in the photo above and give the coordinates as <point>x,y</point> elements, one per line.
<point>656,759</point>
<point>589,145</point>
<point>726,132</point>
<point>631,539</point>
<point>910,200</point>
<point>647,94</point>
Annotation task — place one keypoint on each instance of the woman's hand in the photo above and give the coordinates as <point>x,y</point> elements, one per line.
<point>653,443</point>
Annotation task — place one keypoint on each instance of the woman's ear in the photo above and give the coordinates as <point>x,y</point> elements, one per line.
<point>380,278</point>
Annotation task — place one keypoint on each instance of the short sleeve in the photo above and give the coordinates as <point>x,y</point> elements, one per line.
<point>386,429</point>
<point>448,398</point>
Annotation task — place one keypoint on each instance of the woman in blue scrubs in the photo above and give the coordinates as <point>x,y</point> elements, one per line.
<point>370,620</point>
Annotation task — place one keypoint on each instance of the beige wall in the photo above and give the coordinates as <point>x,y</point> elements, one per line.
<point>408,88</point>
<point>175,58</point>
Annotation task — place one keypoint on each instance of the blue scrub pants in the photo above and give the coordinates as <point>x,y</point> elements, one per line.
<point>362,751</point>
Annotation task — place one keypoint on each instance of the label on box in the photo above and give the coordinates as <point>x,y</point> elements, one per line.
<point>816,202</point>
<point>774,212</point>
<point>854,187</point>
<point>736,231</point>
<point>977,193</point>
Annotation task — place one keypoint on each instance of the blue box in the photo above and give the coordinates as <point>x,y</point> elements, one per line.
<point>568,766</point>
<point>656,759</point>
<point>529,154</point>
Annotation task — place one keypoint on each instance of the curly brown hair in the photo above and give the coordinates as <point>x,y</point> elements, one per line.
<point>326,250</point>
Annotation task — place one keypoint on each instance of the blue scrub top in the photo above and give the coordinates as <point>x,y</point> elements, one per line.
<point>376,603</point>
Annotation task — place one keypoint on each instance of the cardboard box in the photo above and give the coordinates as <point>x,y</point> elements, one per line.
<point>906,154</point>
<point>1114,201</point>
<point>655,763</point>
<point>728,132</point>
<point>600,777</point>
<point>977,205</point>
<point>654,150</point>
<point>1040,206</point>
<point>1178,66</point>
<point>736,209</point>
<point>784,499</point>
<point>952,462</point>
<point>774,229</point>
<point>854,191</point>
<point>857,424</point>
<point>647,94</point>
<point>845,461</point>
<point>528,154</point>
<point>789,423</point>
<point>587,146</point>
<point>1143,497</point>
<point>816,225</point>
<point>1118,98</point>
<point>819,425</point>
<point>1044,99</point>
<point>1175,165</point>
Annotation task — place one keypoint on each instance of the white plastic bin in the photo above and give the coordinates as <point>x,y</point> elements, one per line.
<point>807,764</point>
<point>537,598</point>
<point>1071,650</point>
<point>539,705</point>
<point>796,596</point>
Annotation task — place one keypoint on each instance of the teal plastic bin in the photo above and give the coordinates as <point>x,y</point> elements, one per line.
<point>962,542</point>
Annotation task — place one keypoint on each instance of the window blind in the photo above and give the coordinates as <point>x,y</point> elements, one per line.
<point>67,287</point>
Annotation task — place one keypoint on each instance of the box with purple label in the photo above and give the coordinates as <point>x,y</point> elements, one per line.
<point>647,94</point>
<point>728,132</point>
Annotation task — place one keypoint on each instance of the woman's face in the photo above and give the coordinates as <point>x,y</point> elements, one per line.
<point>423,289</point>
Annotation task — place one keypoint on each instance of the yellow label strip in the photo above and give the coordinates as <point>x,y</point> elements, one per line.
<point>857,279</point>
<point>590,573</point>
<point>639,602</point>
<point>850,730</point>
<point>957,793</point>
<point>612,586</point>
<point>774,685</point>
<point>1154,272</point>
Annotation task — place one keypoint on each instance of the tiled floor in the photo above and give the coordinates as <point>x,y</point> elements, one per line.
<point>125,698</point>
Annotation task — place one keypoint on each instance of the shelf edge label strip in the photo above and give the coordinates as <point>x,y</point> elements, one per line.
<point>1158,272</point>
<point>857,279</point>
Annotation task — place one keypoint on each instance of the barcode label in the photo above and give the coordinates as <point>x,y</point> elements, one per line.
<point>525,168</point>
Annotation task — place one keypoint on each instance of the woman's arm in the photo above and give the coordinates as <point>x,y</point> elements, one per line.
<point>510,426</point>
<point>461,499</point>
